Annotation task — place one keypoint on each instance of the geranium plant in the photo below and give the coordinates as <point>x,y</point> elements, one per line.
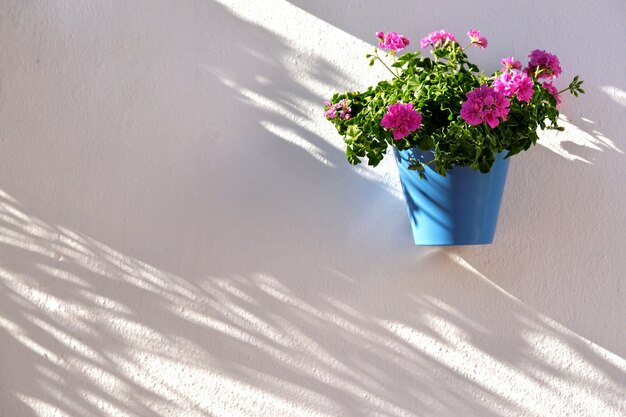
<point>446,105</point>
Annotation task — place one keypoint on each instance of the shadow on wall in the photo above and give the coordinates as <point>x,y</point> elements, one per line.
<point>92,331</point>
<point>255,295</point>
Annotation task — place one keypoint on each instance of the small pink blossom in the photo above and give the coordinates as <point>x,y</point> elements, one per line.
<point>402,119</point>
<point>485,104</point>
<point>476,39</point>
<point>546,64</point>
<point>510,63</point>
<point>392,41</point>
<point>552,90</point>
<point>437,39</point>
<point>330,110</point>
<point>515,84</point>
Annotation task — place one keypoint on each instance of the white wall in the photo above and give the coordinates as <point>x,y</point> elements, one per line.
<point>180,234</point>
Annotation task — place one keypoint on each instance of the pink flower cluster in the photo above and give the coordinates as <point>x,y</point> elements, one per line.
<point>546,64</point>
<point>516,84</point>
<point>510,63</point>
<point>392,41</point>
<point>485,104</point>
<point>552,90</point>
<point>437,39</point>
<point>330,110</point>
<point>401,119</point>
<point>476,39</point>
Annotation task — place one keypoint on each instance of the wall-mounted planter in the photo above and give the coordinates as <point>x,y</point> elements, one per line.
<point>458,209</point>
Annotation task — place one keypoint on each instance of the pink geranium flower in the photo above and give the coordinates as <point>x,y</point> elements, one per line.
<point>437,39</point>
<point>330,110</point>
<point>546,64</point>
<point>476,39</point>
<point>510,63</point>
<point>402,119</point>
<point>392,41</point>
<point>515,84</point>
<point>485,104</point>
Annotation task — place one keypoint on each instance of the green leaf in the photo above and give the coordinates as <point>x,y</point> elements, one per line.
<point>351,155</point>
<point>353,132</point>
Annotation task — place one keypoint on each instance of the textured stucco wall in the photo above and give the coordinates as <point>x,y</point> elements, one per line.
<point>180,234</point>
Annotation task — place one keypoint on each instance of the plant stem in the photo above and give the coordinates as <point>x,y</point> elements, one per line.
<point>432,51</point>
<point>383,62</point>
<point>393,55</point>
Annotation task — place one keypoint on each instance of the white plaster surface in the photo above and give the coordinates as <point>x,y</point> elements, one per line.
<point>180,234</point>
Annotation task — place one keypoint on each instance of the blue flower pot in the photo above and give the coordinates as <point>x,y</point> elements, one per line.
<point>458,209</point>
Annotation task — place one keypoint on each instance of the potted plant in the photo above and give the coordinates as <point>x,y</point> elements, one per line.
<point>452,128</point>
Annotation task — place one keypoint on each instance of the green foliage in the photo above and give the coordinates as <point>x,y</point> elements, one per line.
<point>437,88</point>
